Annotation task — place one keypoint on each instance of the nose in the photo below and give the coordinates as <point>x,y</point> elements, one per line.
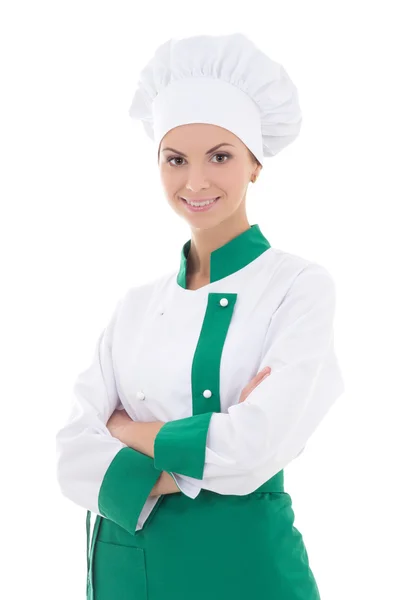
<point>196,180</point>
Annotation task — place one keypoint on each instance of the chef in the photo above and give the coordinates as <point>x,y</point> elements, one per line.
<point>208,381</point>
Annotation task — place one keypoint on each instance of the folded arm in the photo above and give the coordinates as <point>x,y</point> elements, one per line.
<point>94,469</point>
<point>236,452</point>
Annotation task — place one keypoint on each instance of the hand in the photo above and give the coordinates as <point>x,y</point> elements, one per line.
<point>165,485</point>
<point>118,425</point>
<point>254,383</point>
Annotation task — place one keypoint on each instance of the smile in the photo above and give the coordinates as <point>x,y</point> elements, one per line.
<point>200,206</point>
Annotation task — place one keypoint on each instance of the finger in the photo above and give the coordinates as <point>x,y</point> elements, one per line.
<point>265,370</point>
<point>262,374</point>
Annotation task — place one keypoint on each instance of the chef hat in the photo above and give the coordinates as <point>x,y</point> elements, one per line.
<point>222,80</point>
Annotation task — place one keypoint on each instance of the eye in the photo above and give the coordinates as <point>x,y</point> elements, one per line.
<point>169,160</point>
<point>224,154</point>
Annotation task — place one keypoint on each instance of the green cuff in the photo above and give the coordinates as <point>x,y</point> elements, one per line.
<point>126,486</point>
<point>180,445</point>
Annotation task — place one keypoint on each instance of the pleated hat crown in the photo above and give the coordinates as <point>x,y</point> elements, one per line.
<point>224,80</point>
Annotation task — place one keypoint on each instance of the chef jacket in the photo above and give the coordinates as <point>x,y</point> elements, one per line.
<point>183,357</point>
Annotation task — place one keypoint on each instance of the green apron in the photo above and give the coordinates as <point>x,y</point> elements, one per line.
<point>210,548</point>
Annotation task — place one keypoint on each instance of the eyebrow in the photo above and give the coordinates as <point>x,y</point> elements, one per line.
<point>208,151</point>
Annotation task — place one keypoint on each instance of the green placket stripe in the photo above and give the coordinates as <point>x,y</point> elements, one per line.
<point>207,357</point>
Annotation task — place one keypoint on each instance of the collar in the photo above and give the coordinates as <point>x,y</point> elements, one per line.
<point>231,257</point>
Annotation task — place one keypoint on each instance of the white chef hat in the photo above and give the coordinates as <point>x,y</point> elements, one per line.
<point>222,80</point>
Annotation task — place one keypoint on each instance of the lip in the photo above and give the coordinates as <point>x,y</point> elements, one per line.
<point>200,208</point>
<point>200,199</point>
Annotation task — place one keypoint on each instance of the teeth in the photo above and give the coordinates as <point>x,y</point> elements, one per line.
<point>201,203</point>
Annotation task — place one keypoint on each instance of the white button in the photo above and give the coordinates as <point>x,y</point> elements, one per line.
<point>207,393</point>
<point>140,396</point>
<point>223,302</point>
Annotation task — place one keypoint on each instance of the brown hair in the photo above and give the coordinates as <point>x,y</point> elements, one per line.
<point>253,158</point>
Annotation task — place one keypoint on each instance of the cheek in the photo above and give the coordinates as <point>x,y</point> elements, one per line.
<point>168,185</point>
<point>232,181</point>
<point>168,179</point>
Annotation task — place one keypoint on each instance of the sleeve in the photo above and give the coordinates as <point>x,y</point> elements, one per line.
<point>237,451</point>
<point>94,469</point>
<point>187,485</point>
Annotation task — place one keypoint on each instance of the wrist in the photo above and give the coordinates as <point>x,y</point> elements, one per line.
<point>141,436</point>
<point>165,484</point>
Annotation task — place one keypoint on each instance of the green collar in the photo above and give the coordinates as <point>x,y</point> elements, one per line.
<point>231,257</point>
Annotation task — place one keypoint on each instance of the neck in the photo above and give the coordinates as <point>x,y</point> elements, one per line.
<point>205,241</point>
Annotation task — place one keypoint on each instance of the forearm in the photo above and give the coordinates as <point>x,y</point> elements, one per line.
<point>140,436</point>
<point>165,484</point>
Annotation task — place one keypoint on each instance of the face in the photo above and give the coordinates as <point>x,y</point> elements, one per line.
<point>189,170</point>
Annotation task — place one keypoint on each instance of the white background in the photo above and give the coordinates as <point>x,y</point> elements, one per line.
<point>84,217</point>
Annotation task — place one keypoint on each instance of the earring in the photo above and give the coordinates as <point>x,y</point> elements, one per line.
<point>253,179</point>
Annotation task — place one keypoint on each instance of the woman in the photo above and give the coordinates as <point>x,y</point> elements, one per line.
<point>209,380</point>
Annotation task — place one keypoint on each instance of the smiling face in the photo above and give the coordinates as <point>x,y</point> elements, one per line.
<point>200,160</point>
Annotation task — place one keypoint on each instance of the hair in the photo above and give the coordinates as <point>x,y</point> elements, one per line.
<point>253,158</point>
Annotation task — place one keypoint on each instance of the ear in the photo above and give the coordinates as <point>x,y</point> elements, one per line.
<point>258,170</point>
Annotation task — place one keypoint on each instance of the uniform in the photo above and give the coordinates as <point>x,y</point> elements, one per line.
<point>182,357</point>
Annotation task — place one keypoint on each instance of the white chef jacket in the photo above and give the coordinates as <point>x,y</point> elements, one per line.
<point>283,317</point>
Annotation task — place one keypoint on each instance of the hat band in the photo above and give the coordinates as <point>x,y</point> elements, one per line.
<point>211,101</point>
